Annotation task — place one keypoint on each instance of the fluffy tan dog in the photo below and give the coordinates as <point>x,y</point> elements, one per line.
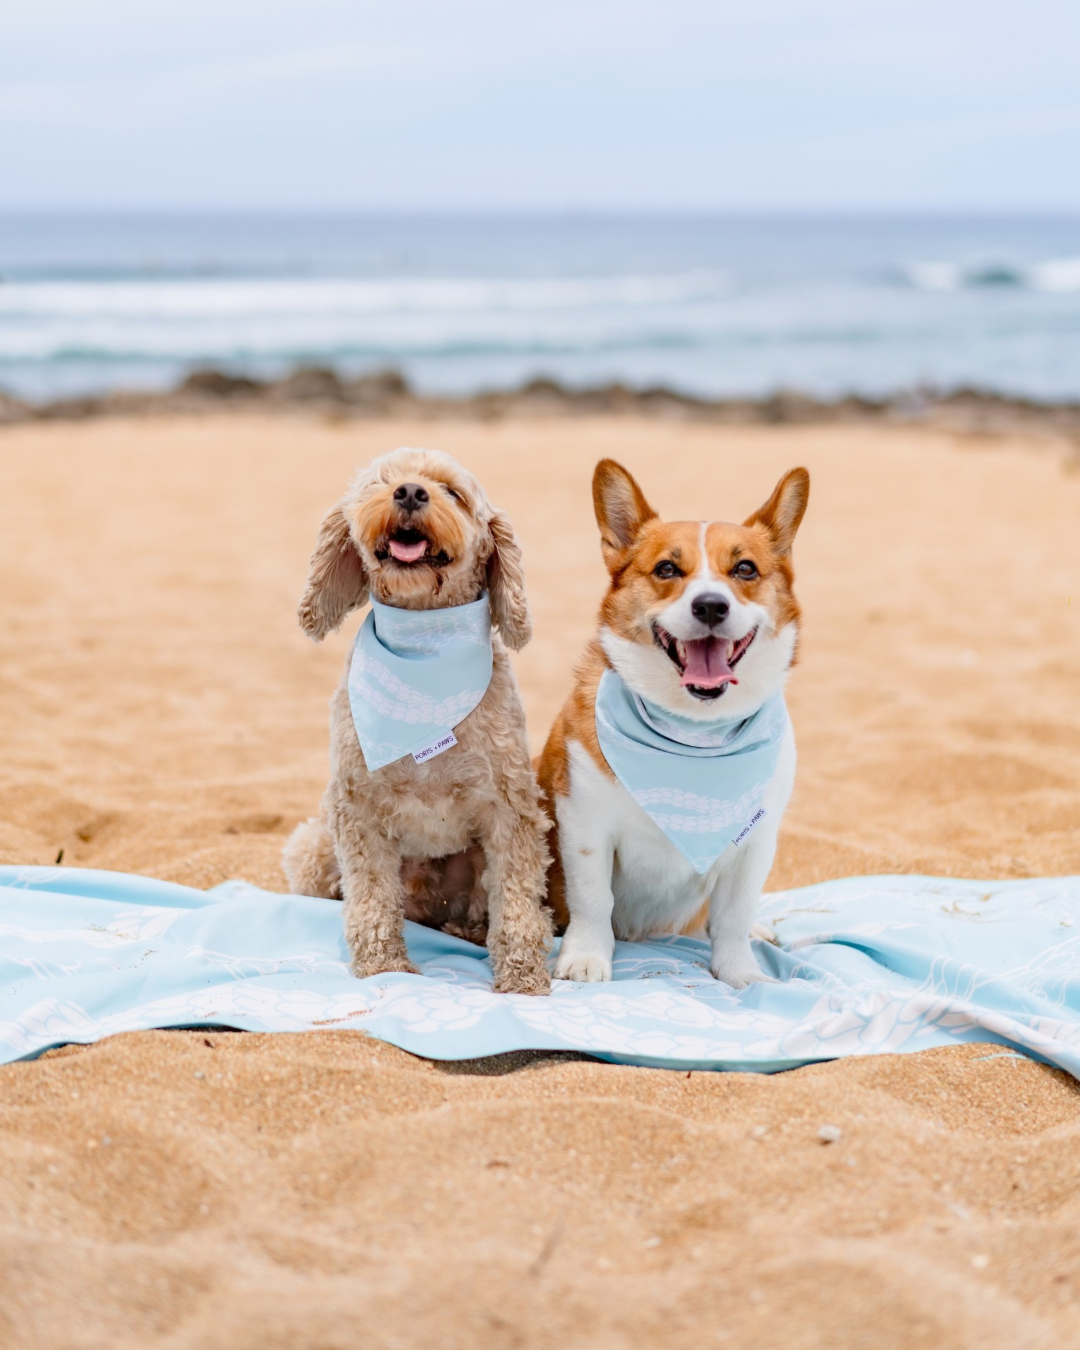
<point>457,842</point>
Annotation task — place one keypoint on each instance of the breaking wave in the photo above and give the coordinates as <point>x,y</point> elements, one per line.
<point>1055,276</point>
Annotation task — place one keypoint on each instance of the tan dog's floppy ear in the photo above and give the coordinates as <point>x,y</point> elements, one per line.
<point>506,585</point>
<point>621,510</point>
<point>337,582</point>
<point>783,512</point>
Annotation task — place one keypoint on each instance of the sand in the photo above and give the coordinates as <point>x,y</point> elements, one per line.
<point>161,713</point>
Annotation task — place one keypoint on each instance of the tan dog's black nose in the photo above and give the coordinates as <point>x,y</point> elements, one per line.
<point>710,609</point>
<point>411,496</point>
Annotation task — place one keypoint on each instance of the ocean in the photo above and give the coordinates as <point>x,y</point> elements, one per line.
<point>713,306</point>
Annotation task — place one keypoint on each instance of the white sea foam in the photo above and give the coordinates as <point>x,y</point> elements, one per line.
<point>329,338</point>
<point>200,320</point>
<point>194,299</point>
<point>934,276</point>
<point>1057,274</point>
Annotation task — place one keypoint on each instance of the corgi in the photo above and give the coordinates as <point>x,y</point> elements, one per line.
<point>669,768</point>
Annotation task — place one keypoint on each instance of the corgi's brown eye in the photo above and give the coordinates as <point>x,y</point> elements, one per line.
<point>665,569</point>
<point>745,570</point>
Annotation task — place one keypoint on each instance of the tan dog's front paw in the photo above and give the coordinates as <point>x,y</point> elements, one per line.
<point>519,951</point>
<point>382,959</point>
<point>524,979</point>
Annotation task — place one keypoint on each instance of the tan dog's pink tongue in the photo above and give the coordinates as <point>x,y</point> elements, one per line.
<point>407,552</point>
<point>707,662</point>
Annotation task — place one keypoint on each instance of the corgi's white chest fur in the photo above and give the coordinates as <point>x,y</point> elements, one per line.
<point>630,880</point>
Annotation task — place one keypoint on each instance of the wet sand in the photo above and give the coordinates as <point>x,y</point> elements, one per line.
<point>161,713</point>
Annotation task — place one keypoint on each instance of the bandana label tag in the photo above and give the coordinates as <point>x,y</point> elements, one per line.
<point>758,815</point>
<point>437,747</point>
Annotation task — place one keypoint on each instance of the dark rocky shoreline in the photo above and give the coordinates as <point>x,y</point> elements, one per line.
<point>387,394</point>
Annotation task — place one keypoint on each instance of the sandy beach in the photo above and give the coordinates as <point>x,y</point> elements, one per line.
<point>161,713</point>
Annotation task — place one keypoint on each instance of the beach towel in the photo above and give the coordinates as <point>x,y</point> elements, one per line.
<point>414,675</point>
<point>701,782</point>
<point>866,965</point>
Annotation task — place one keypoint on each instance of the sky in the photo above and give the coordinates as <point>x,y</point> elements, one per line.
<point>561,105</point>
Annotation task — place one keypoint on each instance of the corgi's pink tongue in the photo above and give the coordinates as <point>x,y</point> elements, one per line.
<point>707,662</point>
<point>408,552</point>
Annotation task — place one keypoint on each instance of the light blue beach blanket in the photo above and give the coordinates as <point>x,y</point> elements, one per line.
<point>867,965</point>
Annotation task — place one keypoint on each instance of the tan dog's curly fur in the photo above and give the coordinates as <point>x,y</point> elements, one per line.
<point>459,841</point>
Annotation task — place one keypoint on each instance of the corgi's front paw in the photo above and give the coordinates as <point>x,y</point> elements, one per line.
<point>739,979</point>
<point>585,967</point>
<point>737,967</point>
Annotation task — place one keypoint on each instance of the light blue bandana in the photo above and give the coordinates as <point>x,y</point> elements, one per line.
<point>416,674</point>
<point>701,782</point>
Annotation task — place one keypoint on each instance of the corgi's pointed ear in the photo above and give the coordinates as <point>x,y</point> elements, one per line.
<point>337,582</point>
<point>621,509</point>
<point>783,512</point>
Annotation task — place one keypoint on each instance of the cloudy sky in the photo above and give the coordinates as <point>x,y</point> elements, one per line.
<point>557,105</point>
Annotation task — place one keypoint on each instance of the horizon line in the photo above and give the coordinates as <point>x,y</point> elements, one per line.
<point>542,212</point>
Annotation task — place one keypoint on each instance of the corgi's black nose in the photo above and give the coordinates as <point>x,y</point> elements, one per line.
<point>710,609</point>
<point>411,496</point>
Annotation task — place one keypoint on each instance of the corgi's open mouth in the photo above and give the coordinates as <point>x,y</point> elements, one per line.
<point>705,665</point>
<point>411,548</point>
